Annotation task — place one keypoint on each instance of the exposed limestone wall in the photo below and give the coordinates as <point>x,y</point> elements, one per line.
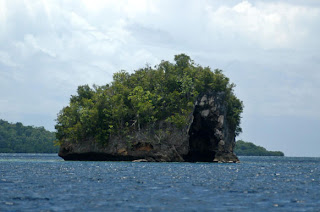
<point>208,139</point>
<point>165,144</point>
<point>210,136</point>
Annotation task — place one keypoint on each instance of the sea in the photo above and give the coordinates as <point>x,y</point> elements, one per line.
<point>45,182</point>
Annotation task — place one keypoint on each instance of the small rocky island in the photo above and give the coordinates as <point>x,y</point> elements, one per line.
<point>174,112</point>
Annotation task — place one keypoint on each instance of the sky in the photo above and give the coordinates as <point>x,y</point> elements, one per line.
<point>270,49</point>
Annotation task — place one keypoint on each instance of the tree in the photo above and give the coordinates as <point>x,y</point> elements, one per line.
<point>243,148</point>
<point>142,99</point>
<point>17,138</point>
<point>142,105</point>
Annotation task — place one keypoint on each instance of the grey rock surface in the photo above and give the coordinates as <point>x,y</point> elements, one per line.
<point>208,138</point>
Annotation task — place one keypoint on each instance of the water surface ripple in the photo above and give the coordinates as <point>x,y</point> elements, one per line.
<point>44,182</point>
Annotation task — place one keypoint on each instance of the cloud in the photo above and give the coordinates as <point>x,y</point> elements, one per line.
<point>264,25</point>
<point>3,16</point>
<point>7,60</point>
<point>270,49</point>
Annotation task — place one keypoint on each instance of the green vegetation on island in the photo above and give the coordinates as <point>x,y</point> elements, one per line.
<point>243,148</point>
<point>16,138</point>
<point>143,99</point>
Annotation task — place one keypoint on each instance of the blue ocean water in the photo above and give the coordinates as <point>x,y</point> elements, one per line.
<point>44,182</point>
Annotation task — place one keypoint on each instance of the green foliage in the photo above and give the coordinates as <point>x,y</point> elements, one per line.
<point>243,148</point>
<point>134,101</point>
<point>16,138</point>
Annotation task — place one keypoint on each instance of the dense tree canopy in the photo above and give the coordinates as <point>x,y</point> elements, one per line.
<point>243,148</point>
<point>166,92</point>
<point>16,138</point>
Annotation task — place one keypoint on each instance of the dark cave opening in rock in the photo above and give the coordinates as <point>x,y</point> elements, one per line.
<point>202,144</point>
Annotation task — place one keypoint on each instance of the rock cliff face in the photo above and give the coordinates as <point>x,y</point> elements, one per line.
<point>208,138</point>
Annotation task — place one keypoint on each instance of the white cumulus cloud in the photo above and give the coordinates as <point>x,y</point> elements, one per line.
<point>270,49</point>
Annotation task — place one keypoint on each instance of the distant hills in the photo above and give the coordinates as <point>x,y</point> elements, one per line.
<point>243,148</point>
<point>16,138</point>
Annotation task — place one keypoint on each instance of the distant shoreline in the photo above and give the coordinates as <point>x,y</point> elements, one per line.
<point>243,148</point>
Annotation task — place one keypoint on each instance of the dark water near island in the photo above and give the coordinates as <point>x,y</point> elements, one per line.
<point>44,182</point>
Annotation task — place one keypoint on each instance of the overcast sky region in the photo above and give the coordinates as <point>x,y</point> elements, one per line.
<point>269,49</point>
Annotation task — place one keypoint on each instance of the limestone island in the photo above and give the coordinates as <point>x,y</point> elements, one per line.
<point>173,112</point>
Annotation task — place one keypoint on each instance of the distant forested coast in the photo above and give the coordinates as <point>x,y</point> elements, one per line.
<point>17,138</point>
<point>243,148</point>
